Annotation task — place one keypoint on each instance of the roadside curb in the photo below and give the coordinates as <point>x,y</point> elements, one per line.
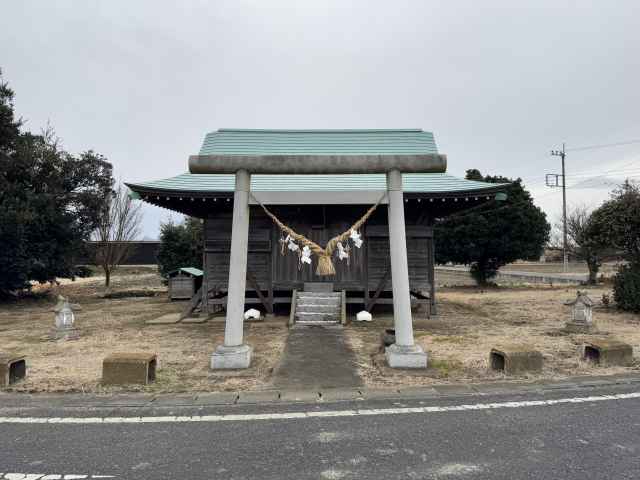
<point>330,395</point>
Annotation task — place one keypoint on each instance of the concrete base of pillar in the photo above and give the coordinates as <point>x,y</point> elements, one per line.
<point>399,356</point>
<point>225,358</point>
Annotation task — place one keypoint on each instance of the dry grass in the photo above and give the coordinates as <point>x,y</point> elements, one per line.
<point>458,341</point>
<point>472,321</point>
<point>117,325</point>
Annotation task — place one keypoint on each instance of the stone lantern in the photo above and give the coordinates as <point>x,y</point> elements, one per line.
<point>65,319</point>
<point>581,314</point>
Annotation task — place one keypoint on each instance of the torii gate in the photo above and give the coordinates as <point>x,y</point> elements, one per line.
<point>234,353</point>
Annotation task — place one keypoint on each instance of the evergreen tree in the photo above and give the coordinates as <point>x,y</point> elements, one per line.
<point>50,202</point>
<point>494,234</point>
<point>181,245</point>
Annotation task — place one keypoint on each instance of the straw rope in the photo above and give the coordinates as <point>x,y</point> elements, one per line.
<point>325,264</point>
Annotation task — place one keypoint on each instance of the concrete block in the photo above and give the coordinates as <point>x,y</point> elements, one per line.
<point>299,396</point>
<point>13,368</point>
<point>127,368</point>
<point>340,394</point>
<point>419,392</point>
<point>259,397</point>
<point>515,359</point>
<point>230,358</point>
<point>608,352</point>
<point>216,398</point>
<point>399,356</point>
<point>380,393</point>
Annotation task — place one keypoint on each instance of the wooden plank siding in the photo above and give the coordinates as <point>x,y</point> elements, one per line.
<point>276,272</point>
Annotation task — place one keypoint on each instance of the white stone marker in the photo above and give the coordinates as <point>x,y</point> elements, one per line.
<point>235,354</point>
<point>404,353</point>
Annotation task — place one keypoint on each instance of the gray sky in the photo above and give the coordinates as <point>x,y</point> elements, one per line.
<point>499,83</point>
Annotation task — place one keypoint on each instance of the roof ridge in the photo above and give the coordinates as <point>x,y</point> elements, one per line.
<point>321,130</point>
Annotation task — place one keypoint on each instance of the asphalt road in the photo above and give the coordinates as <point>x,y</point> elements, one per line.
<point>586,440</point>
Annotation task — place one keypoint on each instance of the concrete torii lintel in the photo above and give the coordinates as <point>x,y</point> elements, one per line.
<point>234,353</point>
<point>318,164</point>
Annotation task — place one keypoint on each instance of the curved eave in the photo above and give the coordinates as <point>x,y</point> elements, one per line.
<point>193,194</point>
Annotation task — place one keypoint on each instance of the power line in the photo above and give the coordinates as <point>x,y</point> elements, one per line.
<point>604,145</point>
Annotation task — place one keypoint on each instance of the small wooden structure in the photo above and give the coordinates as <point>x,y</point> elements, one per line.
<point>127,368</point>
<point>184,283</point>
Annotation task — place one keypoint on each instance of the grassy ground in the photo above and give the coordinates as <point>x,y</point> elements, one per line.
<point>118,325</point>
<point>458,340</point>
<point>472,321</point>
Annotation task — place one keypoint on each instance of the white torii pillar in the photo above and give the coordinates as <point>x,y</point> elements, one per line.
<point>404,353</point>
<point>233,353</point>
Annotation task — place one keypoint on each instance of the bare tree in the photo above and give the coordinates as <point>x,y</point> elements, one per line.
<point>119,224</point>
<point>582,243</point>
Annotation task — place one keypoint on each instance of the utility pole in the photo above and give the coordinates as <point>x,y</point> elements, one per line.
<point>562,155</point>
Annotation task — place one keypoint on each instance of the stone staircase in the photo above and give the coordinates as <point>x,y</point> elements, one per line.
<point>318,306</point>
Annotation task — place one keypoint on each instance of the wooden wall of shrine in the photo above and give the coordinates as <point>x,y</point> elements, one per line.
<point>271,276</point>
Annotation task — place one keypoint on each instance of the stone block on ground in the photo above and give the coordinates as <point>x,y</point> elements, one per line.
<point>129,368</point>
<point>166,319</point>
<point>259,396</point>
<point>340,394</point>
<point>13,368</point>
<point>515,359</point>
<point>608,352</point>
<point>299,396</point>
<point>401,356</point>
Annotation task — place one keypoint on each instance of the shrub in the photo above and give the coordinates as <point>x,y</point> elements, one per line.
<point>626,288</point>
<point>181,245</point>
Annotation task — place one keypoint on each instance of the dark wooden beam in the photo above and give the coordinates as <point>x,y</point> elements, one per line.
<point>254,284</point>
<point>381,286</point>
<point>193,304</point>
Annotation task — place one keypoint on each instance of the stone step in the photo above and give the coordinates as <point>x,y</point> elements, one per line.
<point>316,317</point>
<point>333,302</point>
<point>318,309</point>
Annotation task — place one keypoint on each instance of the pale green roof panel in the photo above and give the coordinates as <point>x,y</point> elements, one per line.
<point>229,141</point>
<point>412,183</point>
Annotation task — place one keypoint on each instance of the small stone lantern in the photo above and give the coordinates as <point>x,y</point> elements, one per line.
<point>581,314</point>
<point>65,329</point>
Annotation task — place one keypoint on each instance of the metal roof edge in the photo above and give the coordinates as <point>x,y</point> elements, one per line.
<point>325,130</point>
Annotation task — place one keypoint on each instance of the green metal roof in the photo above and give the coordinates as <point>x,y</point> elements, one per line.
<point>228,141</point>
<point>412,183</point>
<point>195,272</point>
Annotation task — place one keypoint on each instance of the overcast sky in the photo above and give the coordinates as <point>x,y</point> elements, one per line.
<point>499,84</point>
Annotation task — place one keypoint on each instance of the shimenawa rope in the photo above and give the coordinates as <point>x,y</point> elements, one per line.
<point>325,264</point>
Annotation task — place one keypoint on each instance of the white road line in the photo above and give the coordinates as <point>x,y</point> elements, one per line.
<point>316,414</point>
<point>50,476</point>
